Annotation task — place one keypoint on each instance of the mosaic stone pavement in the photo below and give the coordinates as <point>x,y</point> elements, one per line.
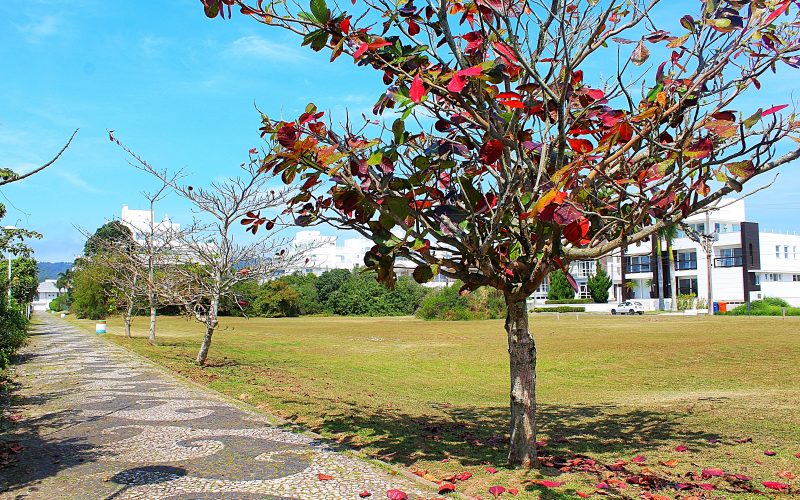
<point>98,422</point>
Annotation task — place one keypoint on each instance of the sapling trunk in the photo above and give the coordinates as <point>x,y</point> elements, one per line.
<point>211,324</point>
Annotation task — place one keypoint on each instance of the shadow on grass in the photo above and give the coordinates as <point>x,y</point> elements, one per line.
<point>478,435</point>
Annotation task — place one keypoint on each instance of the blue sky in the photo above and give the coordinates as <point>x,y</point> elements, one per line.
<point>180,90</point>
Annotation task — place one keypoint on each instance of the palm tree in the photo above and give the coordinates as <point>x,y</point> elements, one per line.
<point>64,280</point>
<point>669,233</point>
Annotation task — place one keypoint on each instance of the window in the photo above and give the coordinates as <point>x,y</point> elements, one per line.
<point>729,257</point>
<point>796,277</point>
<point>786,251</point>
<point>637,264</point>
<point>687,286</point>
<point>794,252</point>
<point>777,251</point>
<point>772,277</point>
<point>736,228</point>
<point>584,291</point>
<point>585,268</point>
<point>686,260</point>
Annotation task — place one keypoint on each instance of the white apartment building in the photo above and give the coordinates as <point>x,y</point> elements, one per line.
<point>745,261</point>
<point>139,221</point>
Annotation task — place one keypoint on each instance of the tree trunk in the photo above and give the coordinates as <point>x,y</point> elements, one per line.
<point>127,319</point>
<point>211,325</point>
<point>659,273</point>
<point>152,337</point>
<point>673,287</point>
<point>522,353</point>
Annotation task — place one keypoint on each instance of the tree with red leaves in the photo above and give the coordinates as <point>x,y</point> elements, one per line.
<point>503,153</point>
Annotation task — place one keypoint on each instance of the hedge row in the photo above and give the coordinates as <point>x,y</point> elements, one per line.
<point>559,309</point>
<point>569,301</point>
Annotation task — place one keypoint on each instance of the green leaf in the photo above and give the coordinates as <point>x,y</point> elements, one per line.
<point>375,158</point>
<point>386,221</point>
<point>320,11</point>
<point>755,118</point>
<point>423,273</point>
<point>399,128</point>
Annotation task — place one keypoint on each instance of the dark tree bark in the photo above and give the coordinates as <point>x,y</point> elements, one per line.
<point>522,352</point>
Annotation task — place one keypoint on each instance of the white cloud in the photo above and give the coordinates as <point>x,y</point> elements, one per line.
<point>255,46</point>
<point>42,27</point>
<point>76,181</point>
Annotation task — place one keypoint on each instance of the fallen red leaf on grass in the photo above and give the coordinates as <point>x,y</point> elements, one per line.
<point>744,440</point>
<point>683,486</point>
<point>450,478</point>
<point>15,417</point>
<point>707,473</point>
<point>464,476</point>
<point>775,486</point>
<point>365,494</point>
<point>669,463</point>
<point>706,486</point>
<point>497,490</point>
<point>769,453</point>
<point>396,495</point>
<point>797,455</point>
<point>446,487</point>
<point>681,448</point>
<point>491,470</point>
<point>786,474</point>
<point>548,484</point>
<point>512,491</point>
<point>324,477</point>
<point>740,477</point>
<point>639,459</point>
<point>602,486</point>
<point>582,494</point>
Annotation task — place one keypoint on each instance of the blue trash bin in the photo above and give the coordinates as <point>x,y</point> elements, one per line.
<point>716,307</point>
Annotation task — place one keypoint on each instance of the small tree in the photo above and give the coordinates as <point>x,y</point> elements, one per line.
<point>599,284</point>
<point>511,152</point>
<point>560,288</point>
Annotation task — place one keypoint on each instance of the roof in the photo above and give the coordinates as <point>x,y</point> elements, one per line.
<point>48,286</point>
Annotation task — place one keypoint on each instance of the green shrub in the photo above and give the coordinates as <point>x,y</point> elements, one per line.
<point>599,284</point>
<point>277,299</point>
<point>769,306</point>
<point>12,330</point>
<point>686,301</point>
<point>59,304</point>
<point>573,301</point>
<point>559,309</point>
<point>447,304</point>
<point>560,289</point>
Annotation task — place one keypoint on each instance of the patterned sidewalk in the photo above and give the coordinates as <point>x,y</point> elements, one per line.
<point>98,422</point>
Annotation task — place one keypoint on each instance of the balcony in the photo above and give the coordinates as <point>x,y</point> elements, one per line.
<point>685,265</point>
<point>735,261</point>
<point>637,268</point>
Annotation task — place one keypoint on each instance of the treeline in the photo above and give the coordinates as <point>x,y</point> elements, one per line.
<point>13,318</point>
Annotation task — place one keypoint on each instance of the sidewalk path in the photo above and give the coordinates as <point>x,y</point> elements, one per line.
<point>98,422</point>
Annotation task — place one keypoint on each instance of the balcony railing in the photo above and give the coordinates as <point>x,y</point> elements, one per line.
<point>735,261</point>
<point>637,268</point>
<point>685,265</point>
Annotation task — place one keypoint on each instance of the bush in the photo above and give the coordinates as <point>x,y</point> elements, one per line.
<point>769,306</point>
<point>559,309</point>
<point>573,301</point>
<point>308,296</point>
<point>362,295</point>
<point>329,282</point>
<point>89,297</point>
<point>59,304</point>
<point>447,304</point>
<point>686,301</point>
<point>277,299</point>
<point>599,284</point>
<point>12,330</point>
<point>560,289</point>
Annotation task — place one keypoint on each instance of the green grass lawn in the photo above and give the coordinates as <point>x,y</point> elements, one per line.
<point>415,393</point>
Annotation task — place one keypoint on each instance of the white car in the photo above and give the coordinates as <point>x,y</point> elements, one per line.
<point>628,307</point>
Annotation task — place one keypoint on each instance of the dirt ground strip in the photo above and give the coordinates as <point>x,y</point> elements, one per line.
<point>98,422</point>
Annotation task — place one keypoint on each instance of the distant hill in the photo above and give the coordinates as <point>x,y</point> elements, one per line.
<point>51,270</point>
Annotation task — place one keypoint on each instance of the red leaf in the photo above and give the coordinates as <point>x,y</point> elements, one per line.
<point>458,82</point>
<point>508,95</point>
<point>417,90</point>
<point>464,476</point>
<point>595,94</point>
<point>324,477</point>
<point>582,494</point>
<point>491,470</point>
<point>707,473</point>
<point>365,494</point>
<point>491,151</point>
<point>413,28</point>
<point>706,486</point>
<point>581,146</point>
<point>769,453</point>
<point>513,104</point>
<point>775,485</point>
<point>774,110</point>
<point>797,455</point>
<point>446,487</point>
<point>549,484</point>
<point>512,491</point>
<point>345,25</point>
<point>396,495</point>
<point>575,232</point>
<point>360,51</point>
<point>506,52</point>
<point>681,448</point>
<point>777,12</point>
<point>497,490</point>
<point>638,459</point>
<point>786,474</point>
